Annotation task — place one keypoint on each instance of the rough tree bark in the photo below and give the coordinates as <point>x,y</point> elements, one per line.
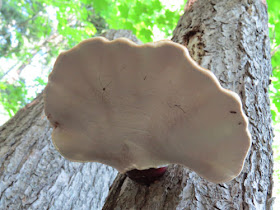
<point>231,39</point>
<point>33,175</point>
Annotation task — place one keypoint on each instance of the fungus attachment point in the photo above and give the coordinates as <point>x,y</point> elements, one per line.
<point>147,176</point>
<point>143,106</point>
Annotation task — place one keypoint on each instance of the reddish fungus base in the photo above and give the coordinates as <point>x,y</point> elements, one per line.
<point>146,177</point>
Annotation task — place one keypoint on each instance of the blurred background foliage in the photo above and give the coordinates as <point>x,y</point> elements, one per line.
<point>274,33</point>
<point>33,32</point>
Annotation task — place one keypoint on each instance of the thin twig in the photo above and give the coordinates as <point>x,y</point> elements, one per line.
<point>10,69</point>
<point>275,50</point>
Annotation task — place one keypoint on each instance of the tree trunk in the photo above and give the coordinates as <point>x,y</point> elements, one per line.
<point>231,39</point>
<point>33,175</point>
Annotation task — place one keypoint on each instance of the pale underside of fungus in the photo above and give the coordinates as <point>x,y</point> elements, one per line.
<point>141,106</point>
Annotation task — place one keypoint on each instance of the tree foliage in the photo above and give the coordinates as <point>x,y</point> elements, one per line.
<point>274,33</point>
<point>13,96</point>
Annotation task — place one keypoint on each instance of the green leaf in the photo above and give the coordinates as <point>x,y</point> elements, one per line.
<point>273,114</point>
<point>40,81</point>
<point>146,33</point>
<point>124,10</point>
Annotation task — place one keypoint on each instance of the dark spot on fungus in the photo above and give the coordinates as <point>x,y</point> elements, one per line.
<point>233,112</point>
<point>145,77</point>
<point>179,106</point>
<point>104,87</point>
<point>239,123</point>
<point>56,124</point>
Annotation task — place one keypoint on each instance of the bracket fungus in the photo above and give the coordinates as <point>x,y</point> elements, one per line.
<point>142,106</point>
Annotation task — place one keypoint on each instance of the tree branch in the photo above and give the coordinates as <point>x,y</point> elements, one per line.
<point>275,50</point>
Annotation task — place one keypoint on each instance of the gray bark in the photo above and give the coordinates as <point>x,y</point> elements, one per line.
<point>230,38</point>
<point>33,175</point>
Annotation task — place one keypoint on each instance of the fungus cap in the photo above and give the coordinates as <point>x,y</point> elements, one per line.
<point>141,106</point>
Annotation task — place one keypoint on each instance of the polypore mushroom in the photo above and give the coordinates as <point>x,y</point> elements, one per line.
<point>142,106</point>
